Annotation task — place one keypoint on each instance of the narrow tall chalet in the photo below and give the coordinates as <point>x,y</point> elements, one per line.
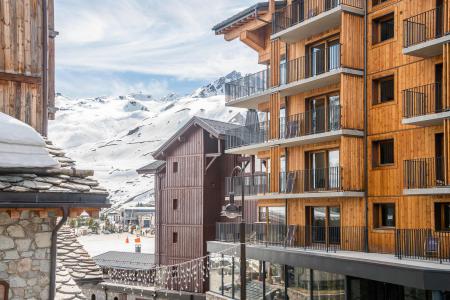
<point>189,188</point>
<point>353,138</point>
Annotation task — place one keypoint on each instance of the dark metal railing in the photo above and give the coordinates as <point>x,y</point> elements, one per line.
<point>423,27</point>
<point>424,244</point>
<point>424,173</point>
<point>324,238</point>
<point>313,64</point>
<point>422,100</point>
<point>302,10</point>
<point>247,135</point>
<point>311,122</point>
<point>312,180</point>
<point>247,86</point>
<point>253,184</point>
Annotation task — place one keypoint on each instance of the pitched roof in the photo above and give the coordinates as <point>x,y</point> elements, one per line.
<point>153,167</point>
<point>47,187</point>
<point>74,266</point>
<point>125,260</point>
<point>215,128</point>
<point>242,16</point>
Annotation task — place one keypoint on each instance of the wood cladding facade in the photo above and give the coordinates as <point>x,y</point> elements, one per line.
<point>385,184</point>
<point>22,58</point>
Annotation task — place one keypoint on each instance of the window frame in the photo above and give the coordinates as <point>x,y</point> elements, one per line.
<point>175,203</point>
<point>378,215</point>
<point>175,167</point>
<point>376,153</point>
<point>442,216</point>
<point>174,237</point>
<point>377,97</point>
<point>377,28</point>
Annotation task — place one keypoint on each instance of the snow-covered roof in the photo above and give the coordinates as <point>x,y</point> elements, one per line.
<point>153,167</point>
<point>214,127</point>
<point>125,260</point>
<point>21,146</point>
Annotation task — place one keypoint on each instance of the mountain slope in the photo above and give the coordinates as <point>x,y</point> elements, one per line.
<point>115,136</point>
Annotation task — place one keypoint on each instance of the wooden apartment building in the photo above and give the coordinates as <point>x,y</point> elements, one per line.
<point>352,140</point>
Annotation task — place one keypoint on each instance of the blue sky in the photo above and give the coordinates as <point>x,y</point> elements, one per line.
<point>114,47</point>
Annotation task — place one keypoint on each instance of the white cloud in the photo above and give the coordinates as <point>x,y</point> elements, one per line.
<point>169,38</point>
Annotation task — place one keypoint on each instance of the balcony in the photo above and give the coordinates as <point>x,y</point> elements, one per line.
<point>320,68</point>
<point>248,139</point>
<point>423,105</point>
<point>309,183</point>
<point>425,176</point>
<point>424,33</point>
<point>306,18</point>
<point>248,91</point>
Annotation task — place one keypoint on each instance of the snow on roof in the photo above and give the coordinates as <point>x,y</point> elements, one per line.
<point>21,146</point>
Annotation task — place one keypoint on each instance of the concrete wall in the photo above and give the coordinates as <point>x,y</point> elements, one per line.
<point>25,254</point>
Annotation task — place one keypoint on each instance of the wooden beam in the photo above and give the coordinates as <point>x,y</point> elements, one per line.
<point>20,78</point>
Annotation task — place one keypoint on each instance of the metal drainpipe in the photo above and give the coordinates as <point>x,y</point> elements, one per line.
<point>52,290</point>
<point>366,178</point>
<point>44,68</point>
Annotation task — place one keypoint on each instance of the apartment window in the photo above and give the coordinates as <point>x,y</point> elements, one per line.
<point>383,28</point>
<point>175,204</point>
<point>383,90</point>
<point>384,215</point>
<point>383,153</point>
<point>175,237</point>
<point>175,167</point>
<point>442,216</point>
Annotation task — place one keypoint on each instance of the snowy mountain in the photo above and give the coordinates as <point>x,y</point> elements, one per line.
<point>116,135</point>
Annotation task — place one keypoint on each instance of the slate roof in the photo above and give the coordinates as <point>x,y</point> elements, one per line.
<point>74,266</point>
<point>125,260</point>
<point>215,128</point>
<point>40,184</point>
<point>152,168</point>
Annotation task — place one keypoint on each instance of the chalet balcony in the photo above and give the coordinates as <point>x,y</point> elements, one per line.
<point>424,105</point>
<point>306,18</point>
<point>321,67</point>
<point>248,139</point>
<point>425,176</point>
<point>321,238</point>
<point>253,185</point>
<point>248,91</point>
<point>424,34</point>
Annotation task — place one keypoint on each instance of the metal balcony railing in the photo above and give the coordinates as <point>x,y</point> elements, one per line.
<point>424,173</point>
<point>312,180</point>
<point>422,100</point>
<point>322,238</point>
<point>247,86</point>
<point>423,27</point>
<point>253,185</point>
<point>424,244</point>
<point>313,64</point>
<point>303,10</point>
<point>311,122</point>
<point>247,135</point>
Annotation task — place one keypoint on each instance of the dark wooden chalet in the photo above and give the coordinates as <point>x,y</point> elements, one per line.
<point>189,183</point>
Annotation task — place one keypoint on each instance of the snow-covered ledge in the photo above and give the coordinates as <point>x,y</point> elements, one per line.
<point>21,146</point>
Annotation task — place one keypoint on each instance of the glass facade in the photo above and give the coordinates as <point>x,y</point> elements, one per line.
<point>270,281</point>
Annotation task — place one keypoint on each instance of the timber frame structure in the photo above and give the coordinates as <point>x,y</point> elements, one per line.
<point>353,133</point>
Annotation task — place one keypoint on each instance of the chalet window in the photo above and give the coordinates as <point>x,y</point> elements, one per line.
<point>383,90</point>
<point>442,216</point>
<point>383,153</point>
<point>175,237</point>
<point>175,204</point>
<point>175,167</point>
<point>3,290</point>
<point>384,215</point>
<point>383,28</point>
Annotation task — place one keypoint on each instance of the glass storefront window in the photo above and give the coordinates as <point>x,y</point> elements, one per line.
<point>275,282</point>
<point>215,274</point>
<point>254,278</point>
<point>227,264</point>
<point>328,286</point>
<point>299,287</point>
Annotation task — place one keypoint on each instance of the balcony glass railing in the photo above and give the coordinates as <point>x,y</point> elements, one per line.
<point>303,10</point>
<point>253,184</point>
<point>247,135</point>
<point>422,100</point>
<point>423,27</point>
<point>247,86</point>
<point>424,173</point>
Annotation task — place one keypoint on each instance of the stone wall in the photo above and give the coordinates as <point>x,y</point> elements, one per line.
<point>25,254</point>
